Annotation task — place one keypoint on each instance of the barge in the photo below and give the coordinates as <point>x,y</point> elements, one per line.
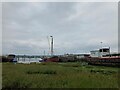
<point>107,61</point>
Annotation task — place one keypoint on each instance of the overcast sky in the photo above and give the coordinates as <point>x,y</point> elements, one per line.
<point>76,27</point>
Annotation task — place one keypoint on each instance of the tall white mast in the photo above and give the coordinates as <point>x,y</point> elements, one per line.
<point>49,45</point>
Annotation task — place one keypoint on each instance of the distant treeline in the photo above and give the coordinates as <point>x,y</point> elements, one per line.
<point>8,58</point>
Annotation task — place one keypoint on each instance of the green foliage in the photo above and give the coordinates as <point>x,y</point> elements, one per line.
<point>107,72</point>
<point>58,75</point>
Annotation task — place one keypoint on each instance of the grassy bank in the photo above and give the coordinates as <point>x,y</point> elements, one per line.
<point>58,75</point>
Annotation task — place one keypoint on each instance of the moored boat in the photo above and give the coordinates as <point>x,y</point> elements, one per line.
<point>104,61</point>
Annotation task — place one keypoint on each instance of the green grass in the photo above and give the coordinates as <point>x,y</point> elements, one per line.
<point>58,75</point>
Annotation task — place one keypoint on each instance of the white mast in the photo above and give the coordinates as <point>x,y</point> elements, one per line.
<point>48,44</point>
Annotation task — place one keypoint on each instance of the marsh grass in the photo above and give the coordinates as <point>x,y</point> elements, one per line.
<point>57,75</point>
<point>41,72</point>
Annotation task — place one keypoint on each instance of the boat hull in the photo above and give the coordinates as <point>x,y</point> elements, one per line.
<point>108,61</point>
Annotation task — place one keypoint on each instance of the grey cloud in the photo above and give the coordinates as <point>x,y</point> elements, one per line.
<point>76,27</point>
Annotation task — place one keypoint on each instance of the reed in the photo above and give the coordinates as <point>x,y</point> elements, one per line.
<point>58,75</point>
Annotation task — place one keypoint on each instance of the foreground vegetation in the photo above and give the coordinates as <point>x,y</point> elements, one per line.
<point>58,75</point>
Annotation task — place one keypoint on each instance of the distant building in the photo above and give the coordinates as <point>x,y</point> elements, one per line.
<point>100,52</point>
<point>79,56</point>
